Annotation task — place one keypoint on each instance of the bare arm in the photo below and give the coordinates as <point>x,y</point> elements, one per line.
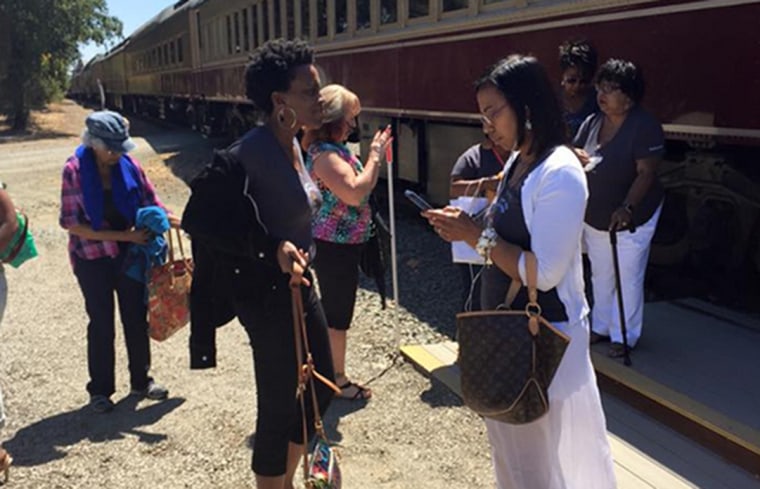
<point>646,174</point>
<point>8,221</point>
<point>139,236</point>
<point>466,188</point>
<point>341,179</point>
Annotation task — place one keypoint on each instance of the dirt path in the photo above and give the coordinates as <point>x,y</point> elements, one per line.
<point>412,435</point>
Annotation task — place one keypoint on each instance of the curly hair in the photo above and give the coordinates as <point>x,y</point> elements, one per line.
<point>625,74</point>
<point>271,69</point>
<point>526,86</point>
<point>578,54</point>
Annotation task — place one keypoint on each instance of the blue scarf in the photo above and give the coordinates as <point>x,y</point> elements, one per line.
<point>142,257</point>
<point>125,187</point>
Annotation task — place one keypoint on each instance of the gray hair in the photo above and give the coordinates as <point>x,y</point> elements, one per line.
<point>90,141</point>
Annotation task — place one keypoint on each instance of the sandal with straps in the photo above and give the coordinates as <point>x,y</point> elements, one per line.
<point>355,392</point>
<point>5,463</point>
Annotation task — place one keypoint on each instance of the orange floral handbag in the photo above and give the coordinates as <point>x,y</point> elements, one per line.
<point>169,293</point>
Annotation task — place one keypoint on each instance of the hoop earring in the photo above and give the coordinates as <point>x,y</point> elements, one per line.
<point>281,117</point>
<point>528,125</point>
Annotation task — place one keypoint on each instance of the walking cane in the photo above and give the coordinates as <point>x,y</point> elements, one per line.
<point>616,264</point>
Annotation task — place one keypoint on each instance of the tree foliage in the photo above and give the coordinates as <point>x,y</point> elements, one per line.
<point>39,41</point>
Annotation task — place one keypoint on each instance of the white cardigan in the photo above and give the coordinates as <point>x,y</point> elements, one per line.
<point>554,206</point>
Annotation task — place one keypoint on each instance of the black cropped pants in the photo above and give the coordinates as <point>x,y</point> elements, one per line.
<point>268,320</point>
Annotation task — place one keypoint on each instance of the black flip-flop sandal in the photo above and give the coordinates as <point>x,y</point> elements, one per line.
<point>361,394</point>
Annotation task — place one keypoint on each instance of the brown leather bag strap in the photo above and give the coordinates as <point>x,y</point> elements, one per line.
<point>532,309</point>
<point>531,274</point>
<point>514,289</point>
<point>306,373</point>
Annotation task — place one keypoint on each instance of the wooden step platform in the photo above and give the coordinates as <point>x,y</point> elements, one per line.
<point>647,454</point>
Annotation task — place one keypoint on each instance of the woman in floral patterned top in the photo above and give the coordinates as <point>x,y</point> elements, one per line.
<point>342,226</point>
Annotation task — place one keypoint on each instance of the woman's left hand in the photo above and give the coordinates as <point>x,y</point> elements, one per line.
<point>621,219</point>
<point>453,224</point>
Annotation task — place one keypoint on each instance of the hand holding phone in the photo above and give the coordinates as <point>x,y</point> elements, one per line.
<point>418,201</point>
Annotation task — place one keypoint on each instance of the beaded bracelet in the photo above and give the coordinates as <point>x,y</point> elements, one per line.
<point>486,242</point>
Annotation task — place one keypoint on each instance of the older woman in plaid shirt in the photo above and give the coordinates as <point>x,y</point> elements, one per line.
<point>101,192</point>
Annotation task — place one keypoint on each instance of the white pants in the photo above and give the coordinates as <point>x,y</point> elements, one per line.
<point>568,447</point>
<point>633,254</point>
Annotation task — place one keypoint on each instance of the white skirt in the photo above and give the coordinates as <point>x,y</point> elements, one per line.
<point>568,447</point>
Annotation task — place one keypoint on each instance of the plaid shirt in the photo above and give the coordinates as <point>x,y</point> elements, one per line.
<point>73,212</point>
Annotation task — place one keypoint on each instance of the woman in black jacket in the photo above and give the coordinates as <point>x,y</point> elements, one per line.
<point>270,252</point>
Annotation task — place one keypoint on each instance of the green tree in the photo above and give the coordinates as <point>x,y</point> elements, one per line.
<point>39,41</point>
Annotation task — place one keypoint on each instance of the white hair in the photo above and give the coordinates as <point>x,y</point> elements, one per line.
<point>90,141</point>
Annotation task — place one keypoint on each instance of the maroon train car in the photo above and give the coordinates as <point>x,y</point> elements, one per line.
<point>413,62</point>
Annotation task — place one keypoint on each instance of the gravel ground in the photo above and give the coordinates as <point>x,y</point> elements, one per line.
<point>412,434</point>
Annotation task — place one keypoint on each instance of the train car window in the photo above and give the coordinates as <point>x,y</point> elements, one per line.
<point>172,52</point>
<point>265,20</point>
<point>363,18</point>
<point>229,35</point>
<point>198,28</point>
<point>254,26</point>
<point>290,18</point>
<point>341,16</point>
<point>209,46</point>
<point>218,40</point>
<point>209,40</point>
<point>238,47</point>
<point>277,18</point>
<point>388,11</point>
<point>305,19</point>
<point>166,54</point>
<point>453,5</point>
<point>419,8</point>
<point>180,56</point>
<point>246,41</point>
<point>321,18</point>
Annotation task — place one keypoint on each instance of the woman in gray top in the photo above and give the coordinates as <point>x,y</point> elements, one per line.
<point>622,146</point>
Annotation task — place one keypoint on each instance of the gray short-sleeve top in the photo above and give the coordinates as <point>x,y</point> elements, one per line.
<point>639,137</point>
<point>284,197</point>
<point>476,162</point>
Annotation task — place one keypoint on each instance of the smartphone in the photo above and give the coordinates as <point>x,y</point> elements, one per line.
<point>421,203</point>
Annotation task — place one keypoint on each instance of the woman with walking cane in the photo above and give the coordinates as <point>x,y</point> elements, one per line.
<point>625,145</point>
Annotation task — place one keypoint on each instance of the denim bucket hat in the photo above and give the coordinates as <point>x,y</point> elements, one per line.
<point>111,128</point>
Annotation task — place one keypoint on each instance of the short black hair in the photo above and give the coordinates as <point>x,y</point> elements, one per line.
<point>271,67</point>
<point>579,54</point>
<point>623,73</point>
<point>526,86</point>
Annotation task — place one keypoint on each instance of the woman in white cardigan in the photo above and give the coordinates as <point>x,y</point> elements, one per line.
<point>539,207</point>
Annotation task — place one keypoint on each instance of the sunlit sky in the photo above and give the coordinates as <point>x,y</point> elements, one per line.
<point>132,13</point>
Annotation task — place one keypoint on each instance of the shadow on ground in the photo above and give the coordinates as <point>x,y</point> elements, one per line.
<point>430,285</point>
<point>49,439</point>
<point>439,395</point>
<point>184,152</point>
